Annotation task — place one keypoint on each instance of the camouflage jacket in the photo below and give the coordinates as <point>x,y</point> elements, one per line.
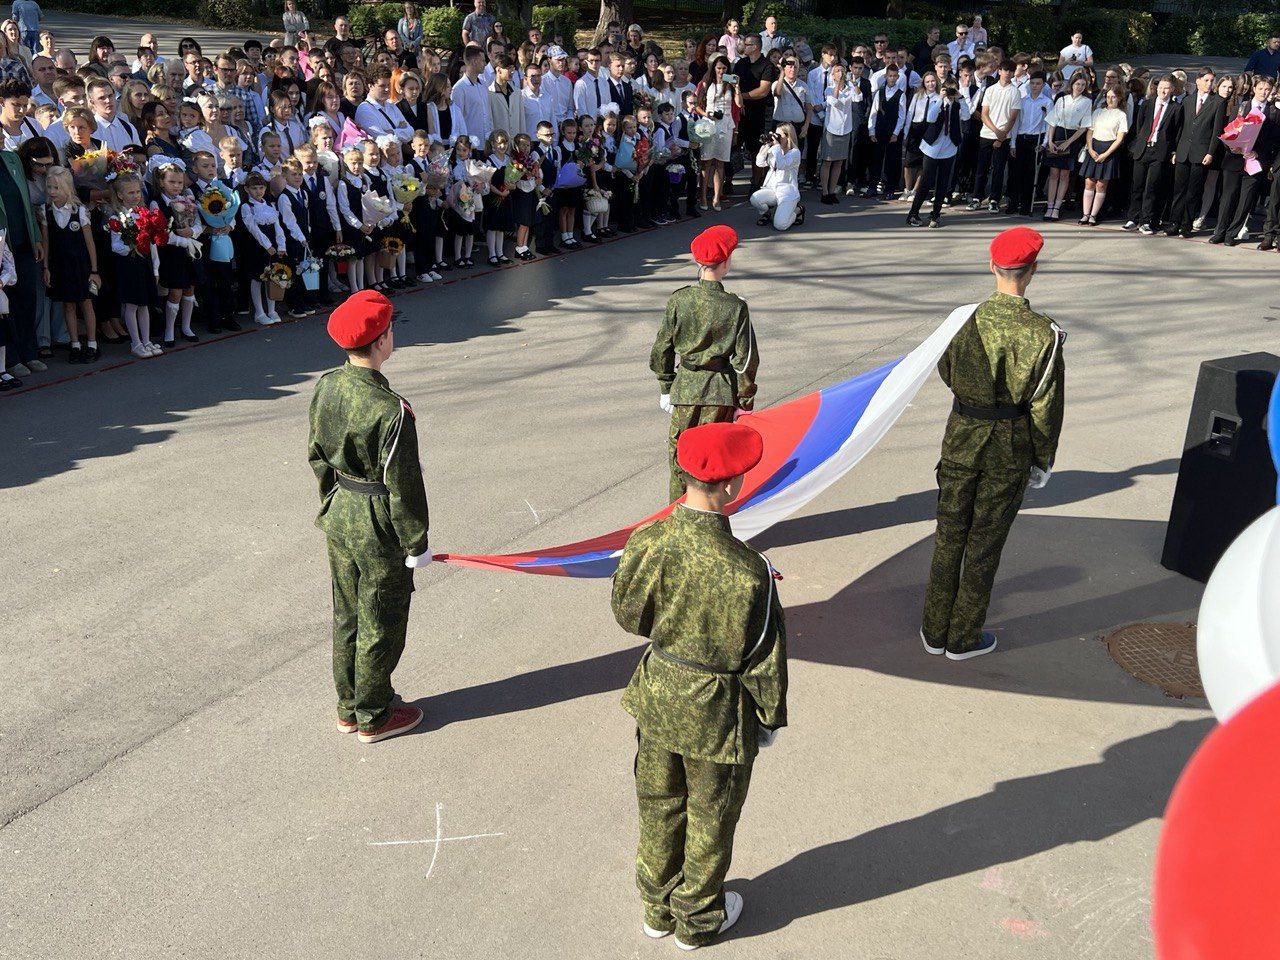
<point>362,428</point>
<point>709,330</point>
<point>1006,354</point>
<point>716,668</point>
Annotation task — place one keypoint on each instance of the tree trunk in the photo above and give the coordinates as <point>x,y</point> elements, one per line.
<point>622,11</point>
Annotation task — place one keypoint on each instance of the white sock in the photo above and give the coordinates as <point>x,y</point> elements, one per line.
<point>255,295</point>
<point>524,249</point>
<point>129,314</point>
<point>144,324</point>
<point>93,344</point>
<point>170,317</point>
<point>500,242</point>
<point>469,244</point>
<point>588,219</point>
<point>439,249</point>
<point>491,240</point>
<point>402,260</point>
<point>457,247</point>
<point>188,305</point>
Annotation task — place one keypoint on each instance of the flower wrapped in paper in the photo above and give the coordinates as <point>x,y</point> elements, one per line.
<point>141,229</point>
<point>405,187</point>
<point>643,100</point>
<point>218,207</point>
<point>119,163</point>
<point>374,209</point>
<point>481,174</point>
<point>437,176</point>
<point>183,215</point>
<point>90,169</point>
<point>1240,136</point>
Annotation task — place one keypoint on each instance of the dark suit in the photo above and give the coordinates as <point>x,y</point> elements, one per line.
<point>1199,139</point>
<point>621,93</point>
<point>1155,133</point>
<point>1240,190</point>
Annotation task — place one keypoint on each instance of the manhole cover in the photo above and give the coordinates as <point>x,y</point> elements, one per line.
<point>1162,654</point>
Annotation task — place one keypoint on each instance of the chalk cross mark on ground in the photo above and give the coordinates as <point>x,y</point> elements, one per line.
<point>435,841</point>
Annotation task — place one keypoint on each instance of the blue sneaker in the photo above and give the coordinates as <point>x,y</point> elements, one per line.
<point>937,651</point>
<point>985,645</point>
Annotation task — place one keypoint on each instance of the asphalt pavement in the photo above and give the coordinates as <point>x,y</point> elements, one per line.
<point>172,782</point>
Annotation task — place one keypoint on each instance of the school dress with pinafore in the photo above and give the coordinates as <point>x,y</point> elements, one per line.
<point>497,206</point>
<point>349,196</point>
<point>135,282</point>
<point>69,265</point>
<point>177,266</point>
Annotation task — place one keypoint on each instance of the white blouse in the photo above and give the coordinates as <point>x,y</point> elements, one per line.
<point>1071,113</point>
<point>262,220</point>
<point>1109,123</point>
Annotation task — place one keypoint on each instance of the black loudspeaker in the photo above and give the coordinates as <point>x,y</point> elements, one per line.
<point>1226,479</point>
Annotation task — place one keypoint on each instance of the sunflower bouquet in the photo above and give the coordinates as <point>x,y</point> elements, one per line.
<point>218,205</point>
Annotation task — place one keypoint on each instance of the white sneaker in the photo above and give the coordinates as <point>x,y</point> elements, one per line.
<point>1244,233</point>
<point>653,934</point>
<point>1198,223</point>
<point>425,278</point>
<point>140,350</point>
<point>436,276</point>
<point>732,911</point>
<point>263,319</point>
<point>850,192</point>
<point>154,349</point>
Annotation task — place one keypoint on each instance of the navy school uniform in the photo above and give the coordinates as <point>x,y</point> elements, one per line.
<point>177,266</point>
<point>69,265</point>
<point>497,206</point>
<point>424,216</point>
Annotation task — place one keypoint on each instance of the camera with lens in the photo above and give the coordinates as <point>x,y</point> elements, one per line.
<point>768,138</point>
<point>717,114</point>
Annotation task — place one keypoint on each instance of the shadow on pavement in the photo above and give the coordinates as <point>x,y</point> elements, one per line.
<point>1016,819</point>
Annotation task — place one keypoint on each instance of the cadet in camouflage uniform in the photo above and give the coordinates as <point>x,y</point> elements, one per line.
<point>373,510</point>
<point>708,692</point>
<point>1005,367</point>
<point>709,329</point>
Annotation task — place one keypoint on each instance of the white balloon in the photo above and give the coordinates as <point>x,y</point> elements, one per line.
<point>1238,632</point>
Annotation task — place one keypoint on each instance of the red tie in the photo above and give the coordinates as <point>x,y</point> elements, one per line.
<point>1155,123</point>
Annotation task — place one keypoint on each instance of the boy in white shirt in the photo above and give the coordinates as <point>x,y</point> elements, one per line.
<point>1001,106</point>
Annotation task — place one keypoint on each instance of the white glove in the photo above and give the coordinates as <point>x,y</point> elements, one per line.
<point>421,560</point>
<point>665,403</point>
<point>767,736</point>
<point>1039,478</point>
<point>739,413</point>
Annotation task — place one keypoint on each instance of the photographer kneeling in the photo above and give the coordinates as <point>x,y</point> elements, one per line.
<point>781,190</point>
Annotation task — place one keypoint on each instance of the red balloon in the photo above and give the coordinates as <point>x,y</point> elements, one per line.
<point>1217,883</point>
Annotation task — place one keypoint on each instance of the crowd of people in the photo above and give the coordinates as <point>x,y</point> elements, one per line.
<point>385,163</point>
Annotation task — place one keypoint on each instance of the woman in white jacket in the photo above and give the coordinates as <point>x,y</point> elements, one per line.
<point>781,189</point>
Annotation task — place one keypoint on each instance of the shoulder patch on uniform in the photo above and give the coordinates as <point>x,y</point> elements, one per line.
<point>1058,332</point>
<point>407,409</point>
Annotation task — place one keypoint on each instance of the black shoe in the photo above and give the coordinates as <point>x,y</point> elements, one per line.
<point>1266,244</point>
<point>973,205</point>
<point>191,338</point>
<point>914,221</point>
<point>9,383</point>
<point>76,354</point>
<point>799,215</point>
<point>1233,242</point>
<point>1187,232</point>
<point>91,354</point>
<point>230,325</point>
<point>934,223</point>
<point>167,344</point>
<point>493,261</point>
<point>1217,239</point>
<point>504,260</point>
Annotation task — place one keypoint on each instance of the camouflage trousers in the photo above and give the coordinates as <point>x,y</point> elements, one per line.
<point>684,416</point>
<point>370,618</point>
<point>688,812</point>
<point>975,511</point>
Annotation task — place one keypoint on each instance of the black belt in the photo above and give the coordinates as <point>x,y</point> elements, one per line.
<point>1000,411</point>
<point>692,664</point>
<point>368,488</point>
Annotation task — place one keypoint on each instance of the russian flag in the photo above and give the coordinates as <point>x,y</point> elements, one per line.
<point>809,444</point>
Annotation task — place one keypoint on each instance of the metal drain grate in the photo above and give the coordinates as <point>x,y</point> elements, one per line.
<point>1162,654</point>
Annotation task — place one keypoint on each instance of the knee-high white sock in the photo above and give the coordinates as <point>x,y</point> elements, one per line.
<point>129,314</point>
<point>372,273</point>
<point>255,295</point>
<point>1086,203</point>
<point>457,247</point>
<point>402,261</point>
<point>588,220</point>
<point>1099,198</point>
<point>188,305</point>
<point>170,317</point>
<point>469,244</point>
<point>144,323</point>
<point>500,241</point>
<point>439,249</point>
<point>355,274</point>
<point>491,241</point>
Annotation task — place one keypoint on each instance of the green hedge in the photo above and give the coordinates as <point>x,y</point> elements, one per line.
<point>372,19</point>
<point>442,26</point>
<point>850,31</point>
<point>1232,36</point>
<point>561,19</point>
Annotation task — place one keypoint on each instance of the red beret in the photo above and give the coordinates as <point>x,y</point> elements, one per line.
<point>360,319</point>
<point>715,452</point>
<point>714,244</point>
<point>1016,247</point>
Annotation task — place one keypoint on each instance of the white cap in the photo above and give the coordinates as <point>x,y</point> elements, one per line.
<point>557,53</point>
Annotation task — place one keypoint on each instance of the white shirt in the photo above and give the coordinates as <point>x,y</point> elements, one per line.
<point>876,99</point>
<point>1033,114</point>
<point>589,93</point>
<point>956,50</point>
<point>27,129</point>
<point>39,98</point>
<point>117,134</point>
<point>1071,113</point>
<point>784,170</point>
<point>943,147</point>
<point>285,207</point>
<point>380,119</point>
<point>819,84</point>
<point>789,104</point>
<point>262,220</point>
<point>291,133</point>
<point>840,110</point>
<point>559,89</point>
<point>1080,54</point>
<point>905,81</point>
<point>471,97</point>
<point>1000,103</point>
<point>537,107</point>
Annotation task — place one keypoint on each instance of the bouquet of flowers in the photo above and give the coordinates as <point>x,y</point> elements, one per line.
<point>118,163</point>
<point>182,215</point>
<point>392,247</point>
<point>140,228</point>
<point>218,206</point>
<point>523,169</point>
<point>1240,135</point>
<point>643,100</point>
<point>437,176</point>
<point>588,152</point>
<point>90,169</point>
<point>374,209</point>
<point>405,187</point>
<point>643,148</point>
<point>309,271</point>
<point>278,277</point>
<point>704,129</point>
<point>544,203</point>
<point>481,174</point>
<point>340,251</point>
<point>466,201</point>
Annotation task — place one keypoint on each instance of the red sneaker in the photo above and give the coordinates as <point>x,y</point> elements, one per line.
<point>347,726</point>
<point>402,720</point>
